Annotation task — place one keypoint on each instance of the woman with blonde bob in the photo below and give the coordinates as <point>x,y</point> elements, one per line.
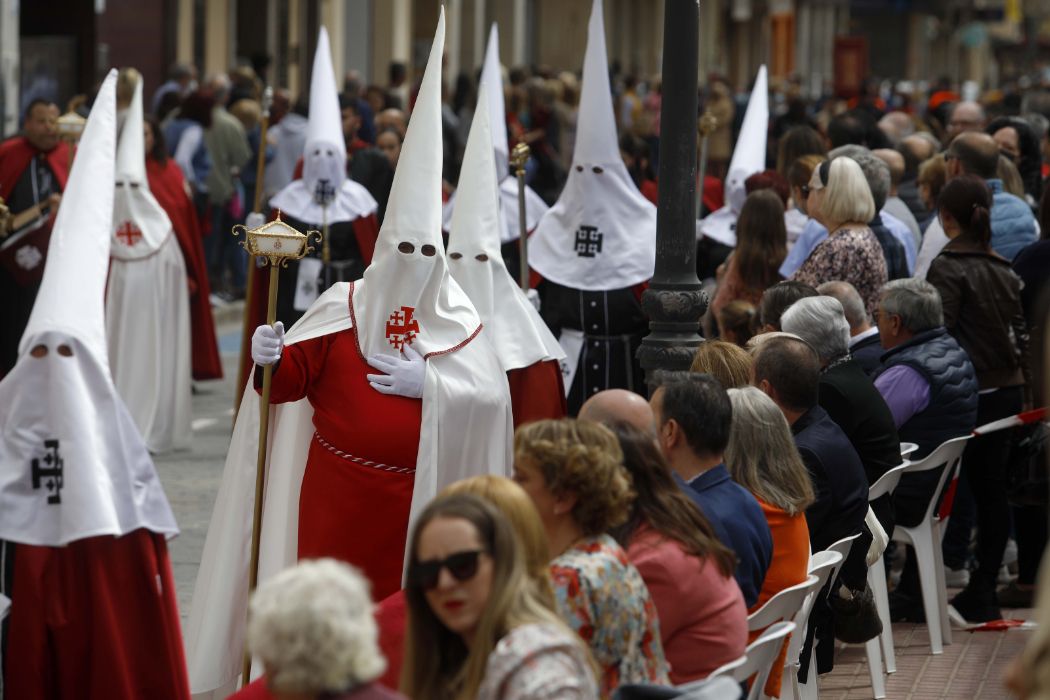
<point>726,362</point>
<point>312,627</point>
<point>840,200</point>
<point>478,625</point>
<point>762,457</point>
<point>573,471</point>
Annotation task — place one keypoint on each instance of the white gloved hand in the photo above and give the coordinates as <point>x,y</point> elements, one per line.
<point>254,220</point>
<point>534,298</point>
<point>403,375</point>
<point>267,343</point>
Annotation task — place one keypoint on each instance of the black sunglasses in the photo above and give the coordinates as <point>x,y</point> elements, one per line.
<point>462,565</point>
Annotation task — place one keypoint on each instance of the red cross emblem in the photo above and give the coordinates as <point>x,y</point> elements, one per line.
<point>401,328</point>
<point>128,234</point>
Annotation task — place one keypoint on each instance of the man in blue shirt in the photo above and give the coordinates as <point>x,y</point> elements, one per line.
<point>692,415</point>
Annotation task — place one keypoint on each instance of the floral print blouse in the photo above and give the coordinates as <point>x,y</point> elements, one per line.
<point>848,255</point>
<point>603,598</point>
<point>538,662</point>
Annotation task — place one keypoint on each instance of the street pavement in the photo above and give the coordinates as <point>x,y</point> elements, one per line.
<point>972,667</point>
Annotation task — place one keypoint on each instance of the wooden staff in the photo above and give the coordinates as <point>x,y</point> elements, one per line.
<point>708,123</point>
<point>518,159</point>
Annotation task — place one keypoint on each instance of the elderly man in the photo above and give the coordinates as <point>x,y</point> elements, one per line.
<point>846,393</point>
<point>930,386</point>
<point>864,343</point>
<point>618,405</point>
<point>693,413</point>
<point>895,206</point>
<point>965,116</point>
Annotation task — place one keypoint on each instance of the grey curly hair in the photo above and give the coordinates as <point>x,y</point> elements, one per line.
<point>313,628</point>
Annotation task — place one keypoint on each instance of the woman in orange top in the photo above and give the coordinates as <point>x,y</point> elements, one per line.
<point>762,458</point>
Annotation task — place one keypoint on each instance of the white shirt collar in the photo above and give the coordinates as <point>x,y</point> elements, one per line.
<point>862,335</point>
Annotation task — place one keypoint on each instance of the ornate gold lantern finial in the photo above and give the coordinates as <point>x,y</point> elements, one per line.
<point>277,242</point>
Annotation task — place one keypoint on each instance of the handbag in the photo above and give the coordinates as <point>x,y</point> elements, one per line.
<point>1027,472</point>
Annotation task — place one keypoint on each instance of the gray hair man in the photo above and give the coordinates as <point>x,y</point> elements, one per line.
<point>863,336</point>
<point>895,206</point>
<point>846,393</point>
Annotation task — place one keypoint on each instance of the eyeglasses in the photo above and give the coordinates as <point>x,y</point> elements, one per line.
<point>462,565</point>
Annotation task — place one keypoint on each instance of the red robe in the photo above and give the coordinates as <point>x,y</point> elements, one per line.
<point>95,619</point>
<point>537,392</point>
<point>167,185</point>
<point>357,488</point>
<point>15,154</point>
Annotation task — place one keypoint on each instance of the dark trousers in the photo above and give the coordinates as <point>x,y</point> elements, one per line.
<point>1030,531</point>
<point>958,535</point>
<point>984,462</point>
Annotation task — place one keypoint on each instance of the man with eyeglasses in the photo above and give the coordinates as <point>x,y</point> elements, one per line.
<point>1013,224</point>
<point>965,116</point>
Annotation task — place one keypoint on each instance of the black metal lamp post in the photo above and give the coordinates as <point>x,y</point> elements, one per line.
<point>674,300</point>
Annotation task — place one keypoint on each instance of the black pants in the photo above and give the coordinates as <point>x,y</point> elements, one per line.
<point>984,461</point>
<point>1030,531</point>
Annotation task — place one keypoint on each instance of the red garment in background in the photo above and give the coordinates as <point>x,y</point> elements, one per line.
<point>537,392</point>
<point>168,187</point>
<point>713,199</point>
<point>15,155</point>
<point>348,510</point>
<point>95,619</point>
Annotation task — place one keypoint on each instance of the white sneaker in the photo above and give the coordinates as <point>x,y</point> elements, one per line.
<point>956,578</point>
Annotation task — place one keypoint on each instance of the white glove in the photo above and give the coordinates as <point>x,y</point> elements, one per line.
<point>534,298</point>
<point>254,220</point>
<point>403,375</point>
<point>267,343</point>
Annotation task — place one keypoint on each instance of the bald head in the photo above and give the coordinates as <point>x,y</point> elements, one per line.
<point>896,126</point>
<point>618,405</point>
<point>895,161</point>
<point>977,154</point>
<point>966,116</point>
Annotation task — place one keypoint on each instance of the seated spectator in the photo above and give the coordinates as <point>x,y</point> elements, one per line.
<point>846,393</point>
<point>692,416</point>
<point>574,473</point>
<point>478,627</point>
<point>777,299</point>
<point>930,386</point>
<point>737,322</point>
<point>761,457</point>
<point>689,573</point>
<point>794,219</point>
<point>798,222</point>
<point>312,628</point>
<point>932,176</point>
<point>728,363</point>
<point>618,405</point>
<point>916,150</point>
<point>760,248</point>
<point>516,505</point>
<point>895,206</point>
<point>864,343</point>
<point>788,371</point>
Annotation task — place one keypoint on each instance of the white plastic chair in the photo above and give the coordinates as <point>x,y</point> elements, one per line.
<point>926,539</point>
<point>785,605</point>
<point>761,654</point>
<point>726,669</point>
<point>714,688</point>
<point>877,580</point>
<point>825,565</point>
<point>907,448</point>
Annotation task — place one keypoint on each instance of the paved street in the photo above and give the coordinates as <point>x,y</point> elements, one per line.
<point>972,667</point>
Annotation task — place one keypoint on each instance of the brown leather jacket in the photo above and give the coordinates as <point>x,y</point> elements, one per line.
<point>981,296</point>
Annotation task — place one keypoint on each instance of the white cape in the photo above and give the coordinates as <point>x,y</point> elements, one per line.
<point>148,332</point>
<point>352,201</point>
<point>457,440</point>
<point>535,208</point>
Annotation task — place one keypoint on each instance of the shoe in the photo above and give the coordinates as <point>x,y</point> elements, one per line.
<point>977,605</point>
<point>1005,577</point>
<point>905,608</point>
<point>1013,596</point>
<point>956,578</point>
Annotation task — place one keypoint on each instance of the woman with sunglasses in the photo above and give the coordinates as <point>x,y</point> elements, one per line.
<point>574,473</point>
<point>478,625</point>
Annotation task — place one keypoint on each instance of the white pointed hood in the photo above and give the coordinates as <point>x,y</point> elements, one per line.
<point>491,83</point>
<point>601,233</point>
<point>407,294</point>
<point>140,224</point>
<point>749,157</point>
<point>72,463</point>
<point>324,192</point>
<point>512,324</point>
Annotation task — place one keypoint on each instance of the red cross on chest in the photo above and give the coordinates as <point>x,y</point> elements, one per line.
<point>401,328</point>
<point>128,234</point>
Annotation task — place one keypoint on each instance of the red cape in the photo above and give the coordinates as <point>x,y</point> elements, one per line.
<point>95,619</point>
<point>537,392</point>
<point>15,154</point>
<point>166,183</point>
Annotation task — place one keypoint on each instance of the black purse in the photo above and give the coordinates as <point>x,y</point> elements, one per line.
<point>1027,470</point>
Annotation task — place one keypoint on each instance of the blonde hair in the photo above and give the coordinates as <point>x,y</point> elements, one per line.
<point>761,455</point>
<point>313,627</point>
<point>726,362</point>
<point>847,196</point>
<point>513,502</point>
<point>437,664</point>
<point>582,458</point>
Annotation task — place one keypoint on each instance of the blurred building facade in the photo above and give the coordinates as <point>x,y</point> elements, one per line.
<point>61,47</point>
